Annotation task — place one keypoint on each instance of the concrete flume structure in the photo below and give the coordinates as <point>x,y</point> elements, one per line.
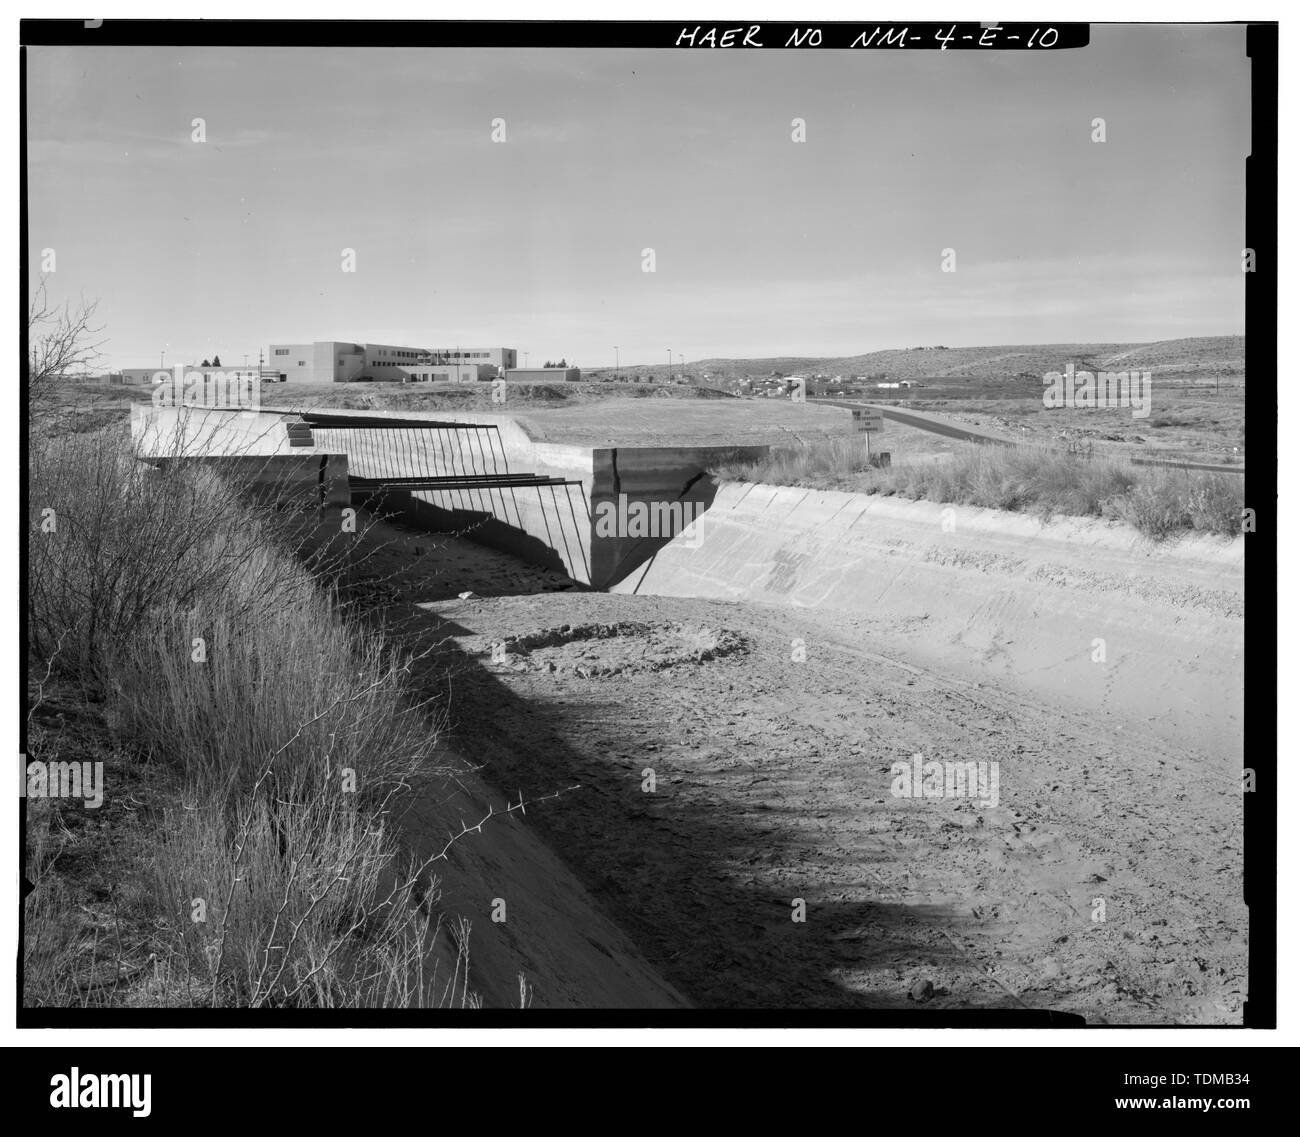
<point>637,469</point>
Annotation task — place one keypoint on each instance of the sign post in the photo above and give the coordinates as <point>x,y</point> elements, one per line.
<point>866,421</point>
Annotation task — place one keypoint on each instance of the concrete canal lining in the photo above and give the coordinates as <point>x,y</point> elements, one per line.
<point>1076,609</point>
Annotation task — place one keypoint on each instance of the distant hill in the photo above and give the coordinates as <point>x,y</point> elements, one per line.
<point>1204,355</point>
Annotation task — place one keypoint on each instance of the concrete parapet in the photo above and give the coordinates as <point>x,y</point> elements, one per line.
<point>252,448</point>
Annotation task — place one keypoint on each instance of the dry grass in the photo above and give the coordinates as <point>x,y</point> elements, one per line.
<point>52,934</point>
<point>1158,503</point>
<point>176,608</point>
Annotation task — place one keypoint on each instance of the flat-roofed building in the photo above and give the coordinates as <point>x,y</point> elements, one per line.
<point>146,376</point>
<point>338,361</point>
<point>545,374</point>
<point>136,376</point>
<point>324,361</point>
<point>452,372</point>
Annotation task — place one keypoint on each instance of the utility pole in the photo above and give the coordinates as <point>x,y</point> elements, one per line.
<point>668,377</point>
<point>616,361</point>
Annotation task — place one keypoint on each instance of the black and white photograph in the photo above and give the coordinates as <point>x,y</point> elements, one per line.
<point>678,524</point>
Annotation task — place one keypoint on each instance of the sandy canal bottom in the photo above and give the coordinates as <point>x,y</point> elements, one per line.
<point>737,765</point>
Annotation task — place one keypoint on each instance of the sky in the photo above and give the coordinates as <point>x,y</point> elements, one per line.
<point>763,246</point>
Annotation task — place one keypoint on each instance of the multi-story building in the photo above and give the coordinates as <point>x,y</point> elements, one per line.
<point>336,361</point>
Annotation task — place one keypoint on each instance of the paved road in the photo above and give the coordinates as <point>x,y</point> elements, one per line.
<point>936,424</point>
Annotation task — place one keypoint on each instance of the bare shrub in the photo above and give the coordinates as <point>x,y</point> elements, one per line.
<point>61,347</point>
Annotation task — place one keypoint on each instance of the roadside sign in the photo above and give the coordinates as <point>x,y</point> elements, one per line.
<point>866,419</point>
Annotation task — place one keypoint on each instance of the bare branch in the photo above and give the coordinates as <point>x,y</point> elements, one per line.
<point>62,344</point>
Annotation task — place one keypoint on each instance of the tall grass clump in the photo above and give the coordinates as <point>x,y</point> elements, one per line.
<point>1170,502</point>
<point>1021,479</point>
<point>170,596</point>
<point>51,932</point>
<point>826,462</point>
<point>112,539</point>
